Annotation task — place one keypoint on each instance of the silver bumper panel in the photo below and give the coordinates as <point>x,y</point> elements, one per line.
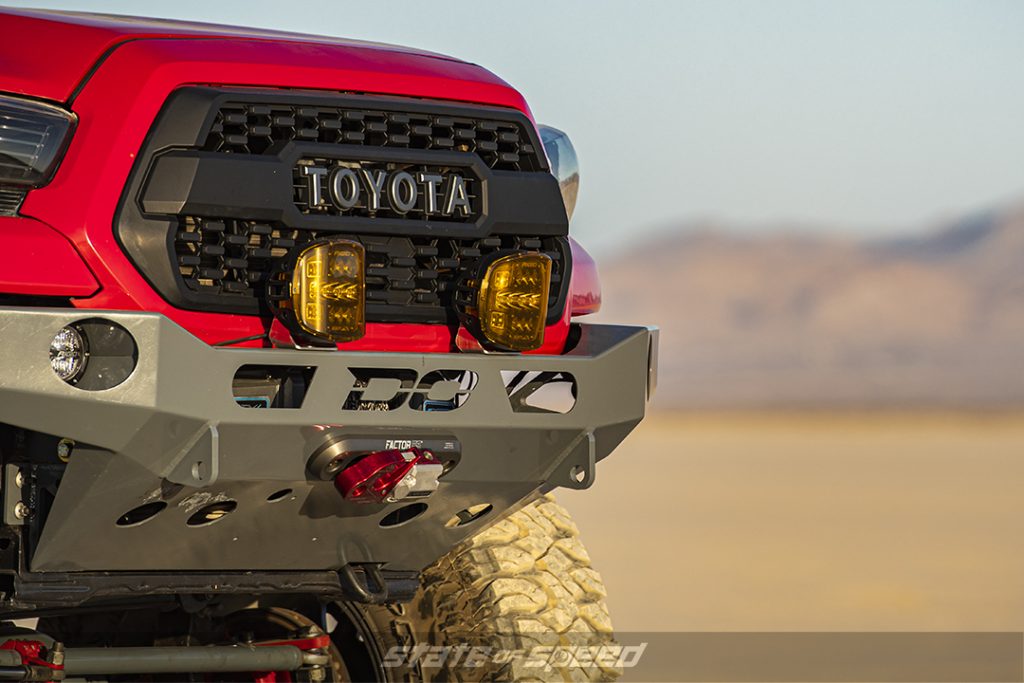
<point>173,433</point>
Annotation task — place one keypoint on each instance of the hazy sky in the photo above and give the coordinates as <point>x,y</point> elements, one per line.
<point>861,116</point>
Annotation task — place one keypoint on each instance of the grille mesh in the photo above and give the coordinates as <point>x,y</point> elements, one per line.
<point>256,128</point>
<point>407,278</point>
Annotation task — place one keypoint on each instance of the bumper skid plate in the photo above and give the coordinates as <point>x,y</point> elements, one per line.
<point>174,435</point>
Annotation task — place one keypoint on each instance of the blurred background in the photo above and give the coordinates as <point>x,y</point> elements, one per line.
<point>822,206</point>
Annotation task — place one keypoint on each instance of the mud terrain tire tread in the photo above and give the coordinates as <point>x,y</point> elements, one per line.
<point>526,581</point>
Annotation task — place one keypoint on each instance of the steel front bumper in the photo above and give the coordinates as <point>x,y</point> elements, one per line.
<point>173,432</point>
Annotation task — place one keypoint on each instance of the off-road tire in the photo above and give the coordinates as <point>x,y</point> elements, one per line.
<point>524,582</point>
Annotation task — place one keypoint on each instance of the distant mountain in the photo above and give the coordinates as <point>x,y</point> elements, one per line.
<point>794,321</point>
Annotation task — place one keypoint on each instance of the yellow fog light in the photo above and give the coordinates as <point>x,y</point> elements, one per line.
<point>512,306</point>
<point>328,292</point>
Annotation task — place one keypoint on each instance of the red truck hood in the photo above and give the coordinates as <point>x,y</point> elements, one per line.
<point>49,54</point>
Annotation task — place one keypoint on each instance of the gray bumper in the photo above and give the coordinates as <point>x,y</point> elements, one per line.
<point>173,432</point>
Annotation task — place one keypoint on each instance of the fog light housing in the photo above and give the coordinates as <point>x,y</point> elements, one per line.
<point>327,292</point>
<point>94,354</point>
<point>69,354</point>
<point>512,303</point>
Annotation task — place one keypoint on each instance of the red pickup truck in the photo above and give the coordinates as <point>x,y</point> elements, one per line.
<point>291,361</point>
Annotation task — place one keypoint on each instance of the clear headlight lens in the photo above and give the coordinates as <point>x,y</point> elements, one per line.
<point>33,136</point>
<point>68,354</point>
<point>565,165</point>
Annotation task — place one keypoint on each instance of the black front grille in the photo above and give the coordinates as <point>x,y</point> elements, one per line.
<point>407,278</point>
<point>258,128</point>
<point>217,199</point>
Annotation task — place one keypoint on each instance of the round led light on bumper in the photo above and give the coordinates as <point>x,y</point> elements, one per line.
<point>93,354</point>
<point>512,302</point>
<point>68,354</point>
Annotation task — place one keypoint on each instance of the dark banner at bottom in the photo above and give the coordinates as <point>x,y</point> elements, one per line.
<point>887,657</point>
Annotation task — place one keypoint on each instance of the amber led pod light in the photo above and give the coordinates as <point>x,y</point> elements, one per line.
<point>328,292</point>
<point>513,302</point>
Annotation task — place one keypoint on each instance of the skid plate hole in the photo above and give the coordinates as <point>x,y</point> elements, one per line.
<point>141,514</point>
<point>279,495</point>
<point>214,512</point>
<point>469,515</point>
<point>403,514</point>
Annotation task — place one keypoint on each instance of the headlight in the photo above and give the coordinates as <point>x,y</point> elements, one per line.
<point>564,164</point>
<point>33,137</point>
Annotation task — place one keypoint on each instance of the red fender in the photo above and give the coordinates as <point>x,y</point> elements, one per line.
<point>585,286</point>
<point>39,261</point>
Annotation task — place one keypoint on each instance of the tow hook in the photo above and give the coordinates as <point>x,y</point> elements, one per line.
<point>372,589</point>
<point>390,476</point>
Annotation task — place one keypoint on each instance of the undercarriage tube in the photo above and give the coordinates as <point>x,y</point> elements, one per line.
<point>92,661</point>
<point>30,659</point>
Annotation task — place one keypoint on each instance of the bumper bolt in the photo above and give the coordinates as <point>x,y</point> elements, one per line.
<point>22,511</point>
<point>19,479</point>
<point>64,448</point>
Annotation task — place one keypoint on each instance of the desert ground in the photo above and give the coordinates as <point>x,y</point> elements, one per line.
<point>811,522</point>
